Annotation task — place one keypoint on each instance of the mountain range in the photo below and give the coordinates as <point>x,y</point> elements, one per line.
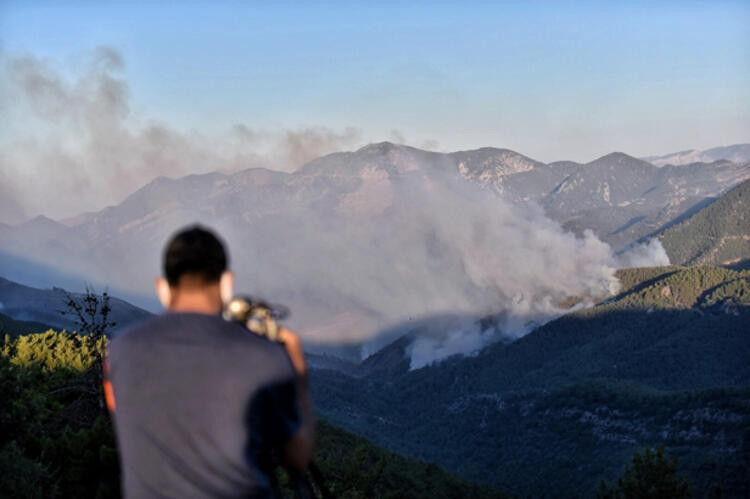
<point>597,195</point>
<point>285,228</point>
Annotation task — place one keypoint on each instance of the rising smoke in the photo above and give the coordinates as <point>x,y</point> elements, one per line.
<point>390,238</point>
<point>78,135</point>
<point>452,248</point>
<point>649,254</point>
<point>412,247</point>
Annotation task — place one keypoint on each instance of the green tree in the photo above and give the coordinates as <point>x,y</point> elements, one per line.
<point>90,312</point>
<point>91,315</point>
<point>649,475</point>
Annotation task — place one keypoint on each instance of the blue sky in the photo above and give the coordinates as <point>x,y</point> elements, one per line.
<point>554,80</point>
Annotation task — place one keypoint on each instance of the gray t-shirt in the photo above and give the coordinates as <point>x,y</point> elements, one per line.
<point>202,407</point>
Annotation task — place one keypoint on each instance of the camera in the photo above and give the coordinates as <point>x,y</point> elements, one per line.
<point>257,316</point>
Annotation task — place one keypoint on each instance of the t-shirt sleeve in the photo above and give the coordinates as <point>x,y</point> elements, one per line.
<point>281,411</point>
<point>275,412</point>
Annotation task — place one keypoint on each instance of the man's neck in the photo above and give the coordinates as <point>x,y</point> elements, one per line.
<point>196,302</point>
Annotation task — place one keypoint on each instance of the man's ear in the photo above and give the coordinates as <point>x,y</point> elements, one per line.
<point>226,286</point>
<point>163,291</point>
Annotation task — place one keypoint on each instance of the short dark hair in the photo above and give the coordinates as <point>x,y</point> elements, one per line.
<point>196,252</point>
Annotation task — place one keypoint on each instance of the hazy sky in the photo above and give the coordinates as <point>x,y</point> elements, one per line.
<point>554,80</point>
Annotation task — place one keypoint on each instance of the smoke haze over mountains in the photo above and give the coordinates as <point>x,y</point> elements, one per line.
<point>75,133</point>
<point>355,243</point>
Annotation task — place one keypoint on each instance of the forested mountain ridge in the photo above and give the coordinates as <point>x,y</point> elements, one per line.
<point>718,234</point>
<point>663,363</point>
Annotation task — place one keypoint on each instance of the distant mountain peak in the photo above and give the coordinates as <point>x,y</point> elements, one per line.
<point>490,165</point>
<point>616,156</point>
<point>40,222</point>
<point>39,219</point>
<point>384,146</point>
<point>736,153</point>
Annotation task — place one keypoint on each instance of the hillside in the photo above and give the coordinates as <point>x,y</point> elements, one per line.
<point>11,326</point>
<point>664,363</point>
<point>56,442</point>
<point>719,234</point>
<point>356,468</point>
<point>26,303</point>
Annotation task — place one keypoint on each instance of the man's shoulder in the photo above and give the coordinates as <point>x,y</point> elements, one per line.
<point>209,330</point>
<point>143,327</point>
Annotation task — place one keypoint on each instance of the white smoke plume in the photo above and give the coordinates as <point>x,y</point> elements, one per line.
<point>76,134</point>
<point>447,247</point>
<point>648,254</point>
<point>535,306</point>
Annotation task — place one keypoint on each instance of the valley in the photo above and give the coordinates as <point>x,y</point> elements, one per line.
<point>664,363</point>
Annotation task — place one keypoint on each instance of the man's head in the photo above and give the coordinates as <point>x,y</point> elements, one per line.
<point>195,269</point>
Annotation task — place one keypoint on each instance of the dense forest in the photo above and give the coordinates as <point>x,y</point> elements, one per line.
<point>717,234</point>
<point>663,363</point>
